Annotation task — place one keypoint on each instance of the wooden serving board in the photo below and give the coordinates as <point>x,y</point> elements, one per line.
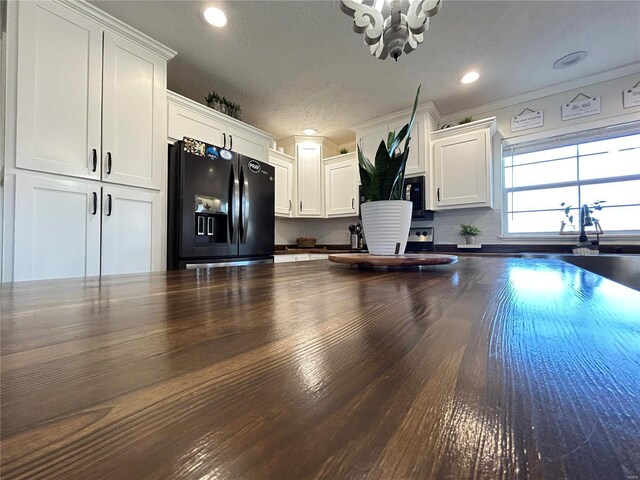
<point>406,260</point>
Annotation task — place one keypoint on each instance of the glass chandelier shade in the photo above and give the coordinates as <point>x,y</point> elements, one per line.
<point>391,27</point>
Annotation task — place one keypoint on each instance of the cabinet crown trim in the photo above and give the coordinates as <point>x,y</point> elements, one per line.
<point>489,123</point>
<point>196,107</point>
<point>284,156</point>
<point>113,24</point>
<point>340,158</point>
<point>423,109</point>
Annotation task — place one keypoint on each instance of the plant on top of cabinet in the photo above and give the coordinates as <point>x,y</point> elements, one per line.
<point>223,105</point>
<point>467,119</point>
<point>342,151</point>
<point>382,186</point>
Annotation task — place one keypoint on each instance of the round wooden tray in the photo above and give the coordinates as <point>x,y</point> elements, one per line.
<point>406,260</point>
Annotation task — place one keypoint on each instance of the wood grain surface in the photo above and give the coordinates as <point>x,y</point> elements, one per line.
<point>489,368</point>
<point>406,260</point>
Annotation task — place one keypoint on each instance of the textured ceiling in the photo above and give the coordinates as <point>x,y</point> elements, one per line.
<point>298,64</point>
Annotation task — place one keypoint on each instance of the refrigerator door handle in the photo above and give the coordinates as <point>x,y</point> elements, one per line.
<point>245,207</point>
<point>234,205</point>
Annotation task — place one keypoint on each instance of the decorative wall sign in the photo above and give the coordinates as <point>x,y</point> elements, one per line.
<point>631,97</point>
<point>527,119</point>
<point>584,107</point>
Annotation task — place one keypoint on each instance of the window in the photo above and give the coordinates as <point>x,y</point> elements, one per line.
<point>585,167</point>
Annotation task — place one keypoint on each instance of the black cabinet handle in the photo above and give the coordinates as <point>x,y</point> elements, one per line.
<point>95,203</point>
<point>108,163</point>
<point>438,193</point>
<point>353,204</point>
<point>109,204</point>
<point>289,205</point>
<point>230,142</point>
<point>300,205</point>
<point>224,140</point>
<point>95,160</point>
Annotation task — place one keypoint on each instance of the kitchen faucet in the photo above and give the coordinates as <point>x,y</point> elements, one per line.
<point>585,221</point>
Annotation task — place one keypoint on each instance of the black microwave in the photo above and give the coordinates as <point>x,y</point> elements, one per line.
<point>415,192</point>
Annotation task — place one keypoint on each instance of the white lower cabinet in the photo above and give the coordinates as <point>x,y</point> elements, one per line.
<point>299,257</point>
<point>62,223</point>
<point>131,230</point>
<point>57,228</point>
<point>341,185</point>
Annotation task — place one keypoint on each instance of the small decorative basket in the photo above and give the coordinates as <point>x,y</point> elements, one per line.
<point>306,242</point>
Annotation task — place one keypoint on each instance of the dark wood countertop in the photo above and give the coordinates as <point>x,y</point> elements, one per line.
<point>492,368</point>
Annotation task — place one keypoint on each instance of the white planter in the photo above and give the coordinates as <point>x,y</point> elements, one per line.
<point>386,226</point>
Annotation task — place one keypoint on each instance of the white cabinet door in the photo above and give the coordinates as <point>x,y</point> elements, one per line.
<point>57,229</point>
<point>246,144</point>
<point>59,82</point>
<point>461,169</point>
<point>133,130</point>
<point>415,162</point>
<point>369,141</point>
<point>341,187</point>
<point>283,185</point>
<point>187,123</point>
<point>131,230</point>
<point>309,180</point>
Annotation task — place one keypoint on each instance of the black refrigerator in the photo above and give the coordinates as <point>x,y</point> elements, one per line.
<point>220,207</point>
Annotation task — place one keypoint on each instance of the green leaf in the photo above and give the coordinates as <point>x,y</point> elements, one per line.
<point>382,167</point>
<point>398,139</point>
<point>413,117</point>
<point>366,173</point>
<point>391,137</point>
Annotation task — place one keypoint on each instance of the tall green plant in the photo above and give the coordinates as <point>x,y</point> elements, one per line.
<point>385,180</point>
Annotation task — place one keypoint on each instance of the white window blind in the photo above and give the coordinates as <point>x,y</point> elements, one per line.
<point>578,168</point>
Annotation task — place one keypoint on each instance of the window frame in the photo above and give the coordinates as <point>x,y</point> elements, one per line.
<point>548,136</point>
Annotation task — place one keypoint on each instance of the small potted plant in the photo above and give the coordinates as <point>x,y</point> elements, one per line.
<point>386,217</point>
<point>469,233</point>
<point>342,151</point>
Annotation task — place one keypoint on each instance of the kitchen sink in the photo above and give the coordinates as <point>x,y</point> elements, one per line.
<point>624,269</point>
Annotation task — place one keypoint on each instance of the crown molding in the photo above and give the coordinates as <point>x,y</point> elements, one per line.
<point>489,123</point>
<point>196,107</point>
<point>631,69</point>
<point>422,109</point>
<point>281,155</point>
<point>113,24</point>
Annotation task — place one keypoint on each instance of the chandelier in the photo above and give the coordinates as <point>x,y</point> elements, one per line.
<point>391,27</point>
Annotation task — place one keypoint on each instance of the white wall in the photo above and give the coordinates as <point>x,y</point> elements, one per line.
<point>489,221</point>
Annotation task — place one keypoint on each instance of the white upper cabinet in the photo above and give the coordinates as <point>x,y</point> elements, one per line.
<point>341,185</point>
<point>133,99</point>
<point>59,85</point>
<point>187,118</point>
<point>57,229</point>
<point>188,122</point>
<point>131,230</point>
<point>370,134</point>
<point>309,172</point>
<point>284,173</point>
<point>369,141</point>
<point>462,165</point>
<point>90,102</point>
<point>247,144</point>
<point>416,158</point>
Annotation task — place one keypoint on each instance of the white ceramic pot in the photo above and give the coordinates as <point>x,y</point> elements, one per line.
<point>386,226</point>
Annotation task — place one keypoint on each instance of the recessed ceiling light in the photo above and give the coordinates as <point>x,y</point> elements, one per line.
<point>309,131</point>
<point>570,60</point>
<point>470,77</point>
<point>215,17</point>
